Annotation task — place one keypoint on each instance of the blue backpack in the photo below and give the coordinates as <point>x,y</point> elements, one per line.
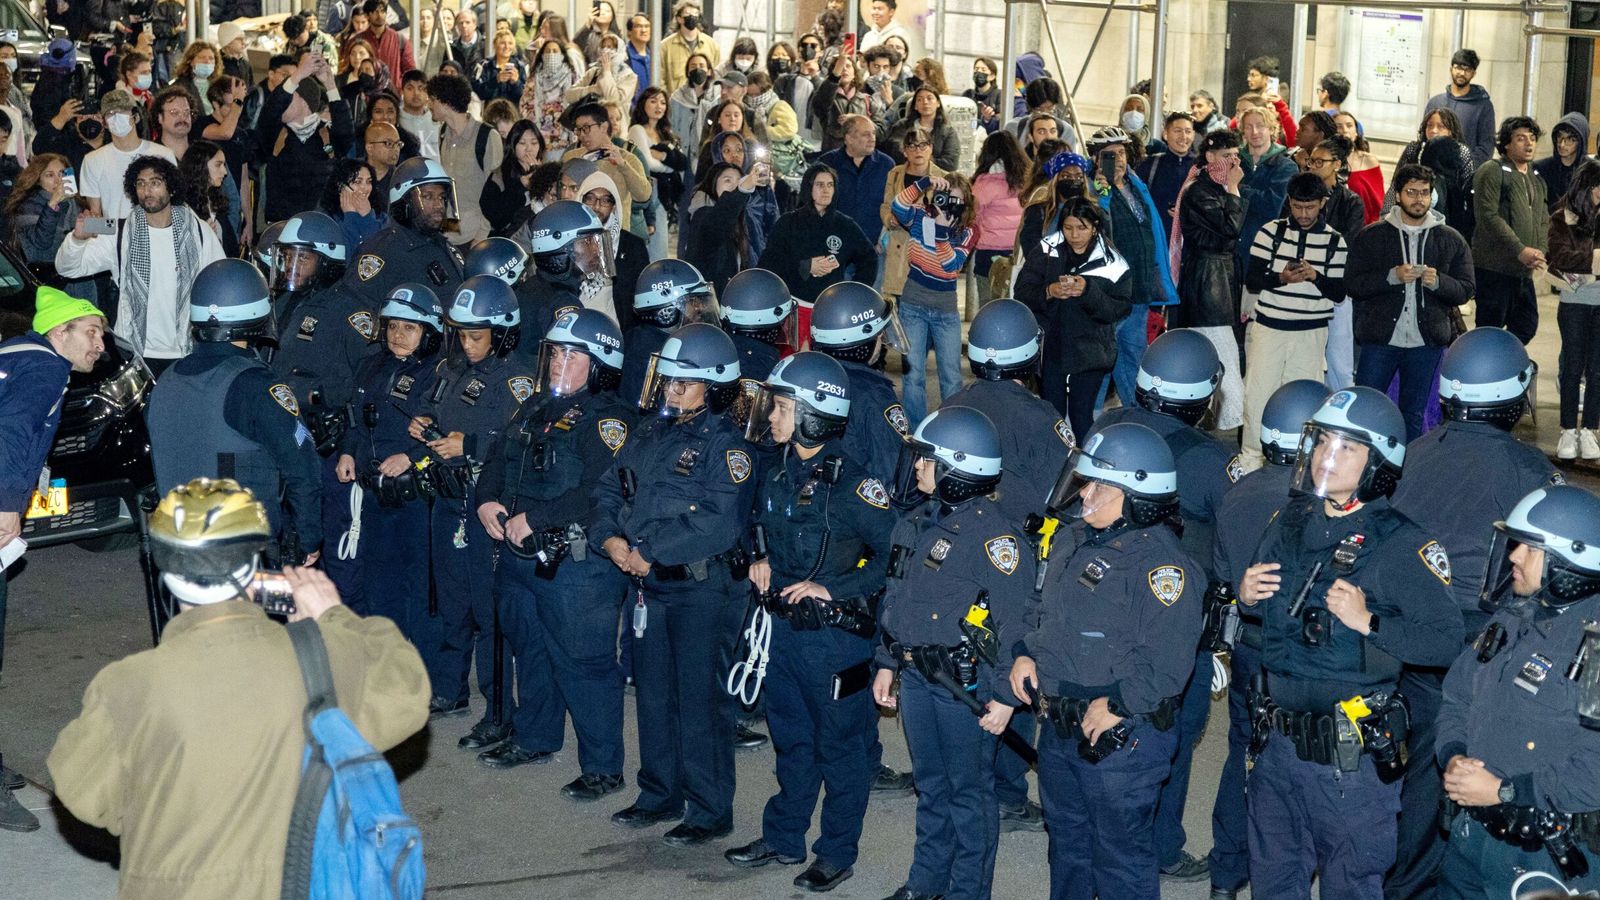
<point>349,839</point>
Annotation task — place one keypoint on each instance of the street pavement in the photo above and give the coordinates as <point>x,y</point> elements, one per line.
<point>490,834</point>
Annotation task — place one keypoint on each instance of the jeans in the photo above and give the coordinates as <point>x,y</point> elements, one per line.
<point>1580,363</point>
<point>926,329</point>
<point>1133,337</point>
<point>1377,365</point>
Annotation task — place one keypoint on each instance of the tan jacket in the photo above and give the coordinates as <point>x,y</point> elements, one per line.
<point>895,267</point>
<point>629,176</point>
<point>191,751</point>
<point>675,53</point>
<point>459,156</point>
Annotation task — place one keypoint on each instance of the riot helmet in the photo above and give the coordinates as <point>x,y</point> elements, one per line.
<point>1355,445</point>
<point>586,332</point>
<point>1005,341</point>
<point>570,244</point>
<point>1126,456</point>
<point>697,354</point>
<point>310,252</point>
<point>1564,522</point>
<point>1178,374</point>
<point>229,301</point>
<point>206,538</point>
<point>500,257</point>
<point>672,293</point>
<point>848,318</point>
<point>416,303</point>
<point>815,393</point>
<point>484,301</point>
<point>756,303</point>
<point>266,244</point>
<point>422,195</point>
<point>1284,418</point>
<point>1484,377</point>
<point>963,447</point>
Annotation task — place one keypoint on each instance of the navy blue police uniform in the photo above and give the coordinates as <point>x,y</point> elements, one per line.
<point>877,420</point>
<point>398,254</point>
<point>643,341</point>
<point>539,303</point>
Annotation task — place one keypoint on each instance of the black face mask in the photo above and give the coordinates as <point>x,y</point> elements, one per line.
<point>778,67</point>
<point>1069,187</point>
<point>691,22</point>
<point>697,77</point>
<point>89,129</point>
<point>980,80</point>
<point>808,51</point>
<point>366,83</point>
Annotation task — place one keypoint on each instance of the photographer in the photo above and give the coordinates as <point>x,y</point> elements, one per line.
<point>215,821</point>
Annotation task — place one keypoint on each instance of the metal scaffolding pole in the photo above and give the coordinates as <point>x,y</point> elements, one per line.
<point>1528,8</point>
<point>1158,64</point>
<point>1008,75</point>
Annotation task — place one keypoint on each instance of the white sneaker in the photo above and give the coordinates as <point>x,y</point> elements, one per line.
<point>1588,444</point>
<point>1567,444</point>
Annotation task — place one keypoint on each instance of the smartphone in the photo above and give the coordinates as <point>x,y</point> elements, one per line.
<point>1107,165</point>
<point>100,225</point>
<point>849,44</point>
<point>69,182</point>
<point>852,680</point>
<point>272,593</point>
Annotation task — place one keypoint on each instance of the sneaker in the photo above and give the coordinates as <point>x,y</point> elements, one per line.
<point>13,815</point>
<point>1567,444</point>
<point>1027,817</point>
<point>1187,868</point>
<point>889,783</point>
<point>1588,444</point>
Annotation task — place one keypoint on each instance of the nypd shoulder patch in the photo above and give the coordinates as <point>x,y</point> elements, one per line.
<point>1003,553</point>
<point>1235,469</point>
<point>368,266</point>
<point>872,491</point>
<point>613,433</point>
<point>364,324</point>
<point>1064,432</point>
<point>521,387</point>
<point>1437,561</point>
<point>1557,478</point>
<point>738,465</point>
<point>896,415</point>
<point>283,395</point>
<point>1166,582</point>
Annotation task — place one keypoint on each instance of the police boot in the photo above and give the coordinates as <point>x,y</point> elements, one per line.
<point>13,815</point>
<point>906,893</point>
<point>1187,868</point>
<point>441,708</point>
<point>509,755</point>
<point>758,853</point>
<point>589,787</point>
<point>11,779</point>
<point>1225,893</point>
<point>747,738</point>
<point>822,877</point>
<point>484,734</point>
<point>1027,817</point>
<point>889,783</point>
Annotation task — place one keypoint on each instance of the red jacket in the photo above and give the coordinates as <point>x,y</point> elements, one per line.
<point>393,50</point>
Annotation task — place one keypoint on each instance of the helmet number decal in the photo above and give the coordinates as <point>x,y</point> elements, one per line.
<point>872,491</point>
<point>283,395</point>
<point>1166,582</point>
<point>1437,561</point>
<point>739,465</point>
<point>368,266</point>
<point>364,325</point>
<point>1003,553</point>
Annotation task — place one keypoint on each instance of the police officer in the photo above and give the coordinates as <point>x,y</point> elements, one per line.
<point>1108,661</point>
<point>1349,590</point>
<point>1177,376</point>
<point>254,434</point>
<point>573,263</point>
<point>759,312</point>
<point>412,247</point>
<point>1246,510</point>
<point>1517,728</point>
<point>378,453</point>
<point>849,322</point>
<point>819,514</point>
<point>671,294</point>
<point>1004,348</point>
<point>560,603</point>
<point>668,513</point>
<point>478,385</point>
<point>326,336</point>
<point>1472,459</point>
<point>955,558</point>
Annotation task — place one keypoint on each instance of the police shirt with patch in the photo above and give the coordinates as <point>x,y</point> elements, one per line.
<point>388,392</point>
<point>397,254</point>
<point>323,345</point>
<point>873,435</point>
<point>550,456</point>
<point>1122,608</point>
<point>1034,442</point>
<point>475,399</point>
<point>949,557</point>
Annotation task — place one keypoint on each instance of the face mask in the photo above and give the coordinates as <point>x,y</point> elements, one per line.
<point>142,82</point>
<point>552,60</point>
<point>1132,120</point>
<point>980,80</point>
<point>1069,187</point>
<point>203,70</point>
<point>89,129</point>
<point>366,82</point>
<point>743,64</point>
<point>808,51</point>
<point>307,127</point>
<point>779,66</point>
<point>120,124</point>
<point>11,64</point>
<point>1219,169</point>
<point>913,82</point>
<point>691,22</point>
<point>697,77</point>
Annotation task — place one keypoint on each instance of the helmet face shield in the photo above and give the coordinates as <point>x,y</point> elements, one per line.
<point>1332,464</point>
<point>296,268</point>
<point>894,334</point>
<point>594,255</point>
<point>907,490</point>
<point>432,206</point>
<point>667,393</point>
<point>1498,580</point>
<point>770,420</point>
<point>564,370</point>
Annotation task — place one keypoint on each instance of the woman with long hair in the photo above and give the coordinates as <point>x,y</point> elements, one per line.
<point>926,114</point>
<point>1439,123</point>
<point>1066,175</point>
<point>985,92</point>
<point>609,77</point>
<point>691,103</point>
<point>1573,244</point>
<point>543,99</point>
<point>349,36</point>
<point>39,212</point>
<point>347,197</point>
<point>201,174</point>
<point>602,21</point>
<point>937,213</point>
<point>715,240</point>
<point>195,71</point>
<point>1365,178</point>
<point>841,94</point>
<point>998,182</point>
<point>665,159</point>
<point>135,75</point>
<point>505,193</point>
<point>553,27</point>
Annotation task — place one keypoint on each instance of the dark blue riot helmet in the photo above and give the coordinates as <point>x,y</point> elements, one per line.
<point>848,318</point>
<point>1353,416</point>
<point>310,252</point>
<point>1178,374</point>
<point>1564,522</point>
<point>500,257</point>
<point>1128,456</point>
<point>757,303</point>
<point>407,208</point>
<point>1484,377</point>
<point>699,353</point>
<point>671,293</point>
<point>586,331</point>
<point>964,447</point>
<point>230,301</point>
<point>1005,341</point>
<point>820,390</point>
<point>417,303</point>
<point>1284,418</point>
<point>484,301</point>
<point>570,244</point>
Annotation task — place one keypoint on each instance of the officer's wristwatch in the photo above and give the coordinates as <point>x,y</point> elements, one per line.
<point>1508,792</point>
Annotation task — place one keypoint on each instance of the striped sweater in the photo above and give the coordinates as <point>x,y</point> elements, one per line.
<point>934,256</point>
<point>1304,305</point>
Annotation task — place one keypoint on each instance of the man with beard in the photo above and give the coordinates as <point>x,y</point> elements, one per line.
<point>412,248</point>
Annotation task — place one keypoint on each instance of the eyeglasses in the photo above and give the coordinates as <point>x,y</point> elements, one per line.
<point>388,145</point>
<point>1417,193</point>
<point>1320,161</point>
<point>920,145</point>
<point>583,129</point>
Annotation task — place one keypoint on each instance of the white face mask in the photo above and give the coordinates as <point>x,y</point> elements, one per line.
<point>306,127</point>
<point>119,124</point>
<point>552,60</point>
<point>11,63</point>
<point>142,82</point>
<point>1132,120</point>
<point>743,64</point>
<point>203,70</point>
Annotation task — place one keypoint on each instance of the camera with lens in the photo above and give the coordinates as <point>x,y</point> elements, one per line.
<point>1315,624</point>
<point>948,203</point>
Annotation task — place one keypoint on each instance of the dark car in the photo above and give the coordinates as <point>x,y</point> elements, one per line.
<point>31,39</point>
<point>102,450</point>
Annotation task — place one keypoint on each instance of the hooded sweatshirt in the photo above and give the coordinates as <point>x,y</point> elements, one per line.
<point>1388,311</point>
<point>595,293</point>
<point>1476,112</point>
<point>1558,177</point>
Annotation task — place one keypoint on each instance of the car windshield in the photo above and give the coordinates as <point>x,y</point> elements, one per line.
<point>14,18</point>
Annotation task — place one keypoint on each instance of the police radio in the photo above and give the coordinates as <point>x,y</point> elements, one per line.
<point>1587,675</point>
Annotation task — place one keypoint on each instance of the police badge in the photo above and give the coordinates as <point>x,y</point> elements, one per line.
<point>1437,561</point>
<point>613,433</point>
<point>308,329</point>
<point>738,465</point>
<point>364,324</point>
<point>283,395</point>
<point>872,491</point>
<point>521,387</point>
<point>1235,469</point>
<point>1166,582</point>
<point>368,266</point>
<point>896,414</point>
<point>1003,553</point>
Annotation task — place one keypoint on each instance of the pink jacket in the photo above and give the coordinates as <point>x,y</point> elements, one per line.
<point>999,212</point>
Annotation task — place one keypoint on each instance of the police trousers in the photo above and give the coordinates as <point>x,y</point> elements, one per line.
<point>1101,816</point>
<point>1310,820</point>
<point>1479,866</point>
<point>1420,848</point>
<point>958,820</point>
<point>463,580</point>
<point>1195,706</point>
<point>820,743</point>
<point>1230,848</point>
<point>563,635</point>
<point>336,519</point>
<point>685,713</point>
<point>394,570</point>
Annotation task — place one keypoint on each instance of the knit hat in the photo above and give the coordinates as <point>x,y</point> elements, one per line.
<point>53,307</point>
<point>226,32</point>
<point>1055,164</point>
<point>117,101</point>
